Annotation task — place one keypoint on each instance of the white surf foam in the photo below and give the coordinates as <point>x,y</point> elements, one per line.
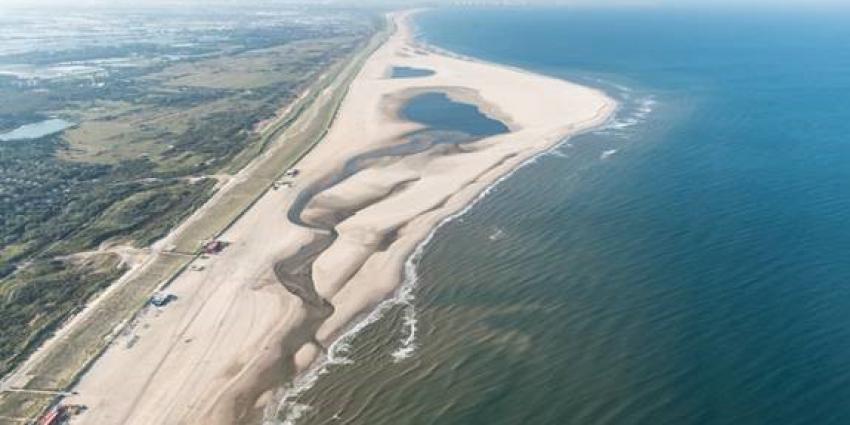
<point>637,114</point>
<point>607,154</point>
<point>336,355</point>
<point>408,344</point>
<point>497,235</point>
<point>559,153</point>
<point>623,90</point>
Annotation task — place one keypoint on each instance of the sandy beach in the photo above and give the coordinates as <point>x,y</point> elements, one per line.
<point>290,282</point>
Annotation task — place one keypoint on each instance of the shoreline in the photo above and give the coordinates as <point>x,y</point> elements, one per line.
<point>403,296</point>
<point>219,354</point>
<point>309,371</point>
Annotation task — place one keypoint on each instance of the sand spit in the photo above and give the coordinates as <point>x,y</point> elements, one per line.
<point>215,355</point>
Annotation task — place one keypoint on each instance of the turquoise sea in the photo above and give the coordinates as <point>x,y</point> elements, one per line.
<point>688,264</point>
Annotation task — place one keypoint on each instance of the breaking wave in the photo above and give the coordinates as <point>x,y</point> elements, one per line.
<point>408,343</point>
<point>636,113</point>
<point>607,154</point>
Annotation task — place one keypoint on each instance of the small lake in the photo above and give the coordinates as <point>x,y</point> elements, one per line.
<point>409,72</point>
<point>438,112</point>
<point>36,130</point>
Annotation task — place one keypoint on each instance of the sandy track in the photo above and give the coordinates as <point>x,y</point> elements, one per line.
<point>215,355</point>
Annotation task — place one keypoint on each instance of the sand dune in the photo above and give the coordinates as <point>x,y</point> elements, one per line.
<point>218,353</point>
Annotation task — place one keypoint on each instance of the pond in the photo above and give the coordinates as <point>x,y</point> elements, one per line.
<point>437,111</point>
<point>36,130</point>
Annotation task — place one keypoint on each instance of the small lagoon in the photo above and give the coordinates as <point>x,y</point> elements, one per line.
<point>447,122</point>
<point>409,72</point>
<point>438,112</point>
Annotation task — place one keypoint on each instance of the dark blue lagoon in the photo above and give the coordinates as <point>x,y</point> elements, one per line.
<point>439,113</point>
<point>689,264</point>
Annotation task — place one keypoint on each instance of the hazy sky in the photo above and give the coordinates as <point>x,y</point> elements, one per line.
<point>248,3</point>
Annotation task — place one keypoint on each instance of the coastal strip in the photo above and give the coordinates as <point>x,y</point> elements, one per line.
<point>289,284</point>
<point>378,215</point>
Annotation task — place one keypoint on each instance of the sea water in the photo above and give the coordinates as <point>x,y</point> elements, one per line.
<point>687,264</point>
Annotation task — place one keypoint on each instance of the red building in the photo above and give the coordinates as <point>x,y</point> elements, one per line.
<point>52,417</point>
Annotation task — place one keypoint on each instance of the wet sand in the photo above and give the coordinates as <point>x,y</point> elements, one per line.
<point>302,268</point>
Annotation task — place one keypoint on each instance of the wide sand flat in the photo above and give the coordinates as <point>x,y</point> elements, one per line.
<point>212,352</point>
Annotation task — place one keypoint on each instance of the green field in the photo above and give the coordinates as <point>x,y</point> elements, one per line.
<point>16,408</point>
<point>59,367</point>
<point>37,300</point>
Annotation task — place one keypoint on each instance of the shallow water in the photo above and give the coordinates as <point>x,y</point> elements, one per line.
<point>409,72</point>
<point>687,264</point>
